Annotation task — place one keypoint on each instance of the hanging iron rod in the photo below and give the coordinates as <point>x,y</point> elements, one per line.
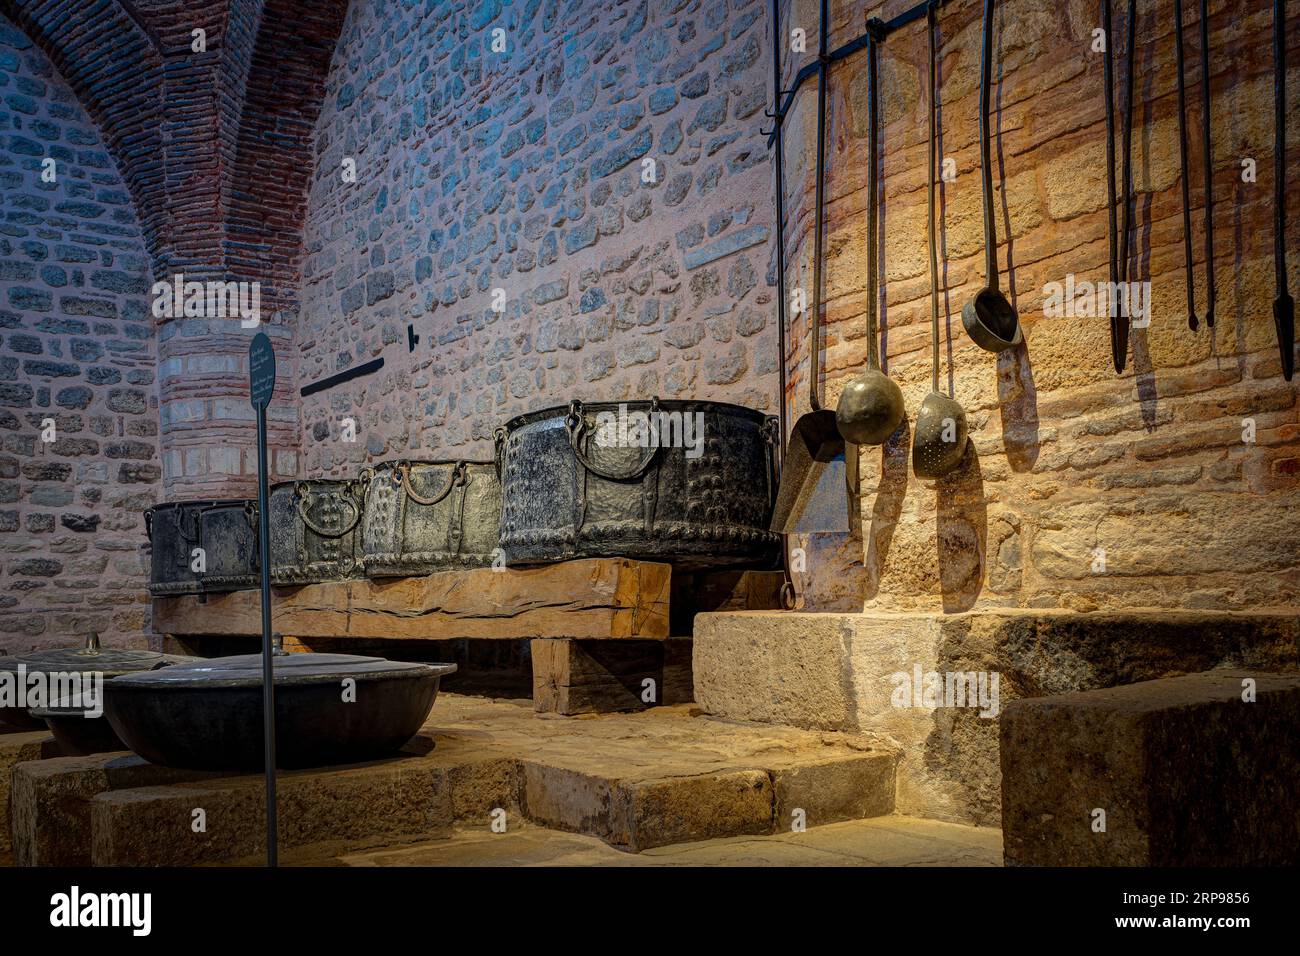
<point>882,29</point>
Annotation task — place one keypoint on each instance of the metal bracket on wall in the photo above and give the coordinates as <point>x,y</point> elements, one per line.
<point>881,29</point>
<point>347,375</point>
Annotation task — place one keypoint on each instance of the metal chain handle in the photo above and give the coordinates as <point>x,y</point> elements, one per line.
<point>403,470</point>
<point>499,447</point>
<point>575,424</point>
<point>300,493</point>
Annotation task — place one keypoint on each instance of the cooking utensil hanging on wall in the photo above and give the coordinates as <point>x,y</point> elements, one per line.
<point>941,430</point>
<point>990,320</point>
<point>1119,318</point>
<point>1192,321</point>
<point>871,406</point>
<point>1116,307</point>
<point>1283,305</point>
<point>819,478</point>
<point>1209,163</point>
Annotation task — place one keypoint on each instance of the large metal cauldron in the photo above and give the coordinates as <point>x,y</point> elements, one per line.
<point>225,530</point>
<point>687,482</point>
<point>424,516</point>
<point>208,715</point>
<point>315,531</point>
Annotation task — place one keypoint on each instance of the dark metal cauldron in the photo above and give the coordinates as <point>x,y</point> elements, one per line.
<point>226,530</point>
<point>640,480</point>
<point>329,709</point>
<point>315,531</point>
<point>423,516</point>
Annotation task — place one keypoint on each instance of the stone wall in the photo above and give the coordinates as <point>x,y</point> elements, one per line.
<point>1148,471</point>
<point>77,367</point>
<point>526,171</point>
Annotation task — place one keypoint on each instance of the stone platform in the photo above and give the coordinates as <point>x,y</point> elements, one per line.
<point>833,671</point>
<point>878,841</point>
<point>635,781</point>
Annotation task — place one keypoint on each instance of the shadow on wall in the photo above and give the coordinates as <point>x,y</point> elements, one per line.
<point>891,491</point>
<point>961,534</point>
<point>1018,406</point>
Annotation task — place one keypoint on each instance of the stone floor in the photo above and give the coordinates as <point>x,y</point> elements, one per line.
<point>880,841</point>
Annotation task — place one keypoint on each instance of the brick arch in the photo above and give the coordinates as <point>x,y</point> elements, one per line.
<point>86,40</point>
<point>266,215</point>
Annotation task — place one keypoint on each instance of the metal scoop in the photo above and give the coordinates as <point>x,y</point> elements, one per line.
<point>819,476</point>
<point>939,441</point>
<point>871,406</point>
<point>990,320</point>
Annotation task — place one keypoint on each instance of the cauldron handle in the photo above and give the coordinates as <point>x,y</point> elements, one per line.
<point>498,447</point>
<point>457,479</point>
<point>575,425</point>
<point>301,501</point>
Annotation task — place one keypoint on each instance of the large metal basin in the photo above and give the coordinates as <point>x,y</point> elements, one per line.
<point>208,715</point>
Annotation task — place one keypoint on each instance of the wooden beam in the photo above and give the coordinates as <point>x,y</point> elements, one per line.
<point>606,598</point>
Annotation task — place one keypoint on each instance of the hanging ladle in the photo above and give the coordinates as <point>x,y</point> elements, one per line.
<point>1209,163</point>
<point>1283,305</point>
<point>940,439</point>
<point>989,319</point>
<point>818,490</point>
<point>1192,321</point>
<point>871,406</point>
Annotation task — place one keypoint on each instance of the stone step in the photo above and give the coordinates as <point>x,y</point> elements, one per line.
<point>17,747</point>
<point>1199,770</point>
<point>635,781</point>
<point>859,673</point>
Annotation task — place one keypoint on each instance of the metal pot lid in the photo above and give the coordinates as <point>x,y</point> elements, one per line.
<point>245,670</point>
<point>91,658</point>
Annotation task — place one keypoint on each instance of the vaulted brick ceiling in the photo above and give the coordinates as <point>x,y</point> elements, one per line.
<point>216,145</point>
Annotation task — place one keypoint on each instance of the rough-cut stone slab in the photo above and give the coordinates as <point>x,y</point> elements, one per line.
<point>837,672</point>
<point>635,780</point>
<point>378,802</point>
<point>591,677</point>
<point>16,748</point>
<point>50,802</point>
<point>1187,772</point>
<point>593,598</point>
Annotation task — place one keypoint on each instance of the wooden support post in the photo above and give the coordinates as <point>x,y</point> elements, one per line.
<point>585,677</point>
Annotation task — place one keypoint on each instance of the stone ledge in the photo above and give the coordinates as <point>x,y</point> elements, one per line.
<point>636,781</point>
<point>833,671</point>
<point>1186,772</point>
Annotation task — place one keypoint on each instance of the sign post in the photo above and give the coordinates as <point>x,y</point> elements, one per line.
<point>261,383</point>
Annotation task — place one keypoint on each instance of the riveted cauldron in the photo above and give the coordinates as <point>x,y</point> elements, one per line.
<point>315,531</point>
<point>423,516</point>
<point>692,483</point>
<point>329,709</point>
<point>225,530</point>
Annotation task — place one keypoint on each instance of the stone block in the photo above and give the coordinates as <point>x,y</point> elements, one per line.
<point>1186,770</point>
<point>15,748</point>
<point>844,672</point>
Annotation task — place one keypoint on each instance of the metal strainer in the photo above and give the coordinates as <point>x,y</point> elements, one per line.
<point>940,437</point>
